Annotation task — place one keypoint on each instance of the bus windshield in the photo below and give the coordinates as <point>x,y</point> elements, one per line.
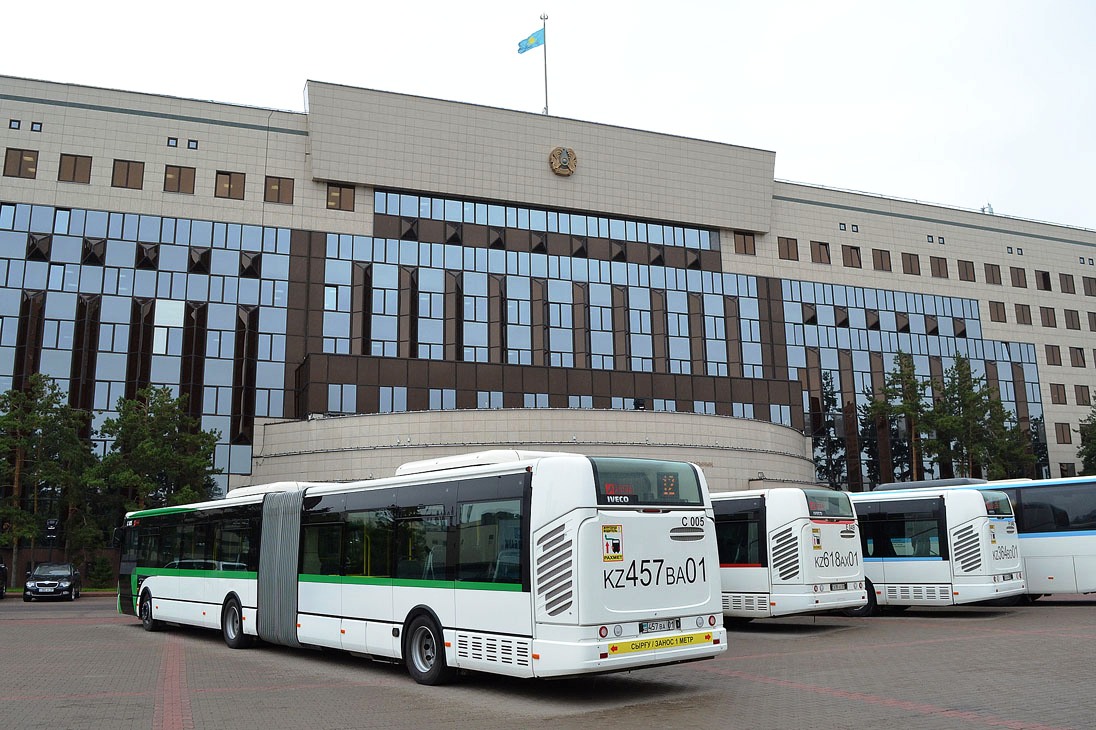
<point>646,482</point>
<point>824,503</point>
<point>997,504</point>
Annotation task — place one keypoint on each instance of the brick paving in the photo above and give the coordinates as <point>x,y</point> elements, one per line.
<point>81,665</point>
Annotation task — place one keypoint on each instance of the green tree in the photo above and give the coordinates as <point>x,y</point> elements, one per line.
<point>1012,451</point>
<point>828,438</point>
<point>962,422</point>
<point>1087,450</point>
<point>45,458</point>
<point>159,455</point>
<point>899,410</point>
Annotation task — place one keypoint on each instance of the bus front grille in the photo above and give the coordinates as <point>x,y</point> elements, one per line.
<point>968,553</point>
<point>786,554</point>
<point>555,573</point>
<point>493,649</point>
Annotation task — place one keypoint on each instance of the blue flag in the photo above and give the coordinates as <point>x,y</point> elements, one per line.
<point>534,40</point>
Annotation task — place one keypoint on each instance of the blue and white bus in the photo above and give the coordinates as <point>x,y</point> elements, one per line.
<point>1056,519</point>
<point>529,564</point>
<point>937,547</point>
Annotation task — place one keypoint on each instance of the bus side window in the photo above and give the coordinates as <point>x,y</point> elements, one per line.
<point>489,541</point>
<point>422,536</point>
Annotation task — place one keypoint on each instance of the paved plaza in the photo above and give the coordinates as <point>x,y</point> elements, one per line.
<point>81,665</point>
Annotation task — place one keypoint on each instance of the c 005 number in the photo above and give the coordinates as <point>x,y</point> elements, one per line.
<point>655,572</point>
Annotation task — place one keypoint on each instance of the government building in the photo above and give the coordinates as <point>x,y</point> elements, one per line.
<point>385,278</point>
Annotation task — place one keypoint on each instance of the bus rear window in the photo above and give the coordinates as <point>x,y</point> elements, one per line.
<point>997,504</point>
<point>824,503</point>
<point>646,482</point>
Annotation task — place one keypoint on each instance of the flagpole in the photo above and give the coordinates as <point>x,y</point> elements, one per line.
<point>543,30</point>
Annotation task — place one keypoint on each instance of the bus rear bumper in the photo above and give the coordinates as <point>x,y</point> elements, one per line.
<point>562,659</point>
<point>785,604</point>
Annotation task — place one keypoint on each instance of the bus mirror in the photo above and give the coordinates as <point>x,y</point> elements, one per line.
<point>116,538</point>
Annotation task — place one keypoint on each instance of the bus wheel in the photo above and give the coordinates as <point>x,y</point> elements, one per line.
<point>232,625</point>
<point>145,612</point>
<point>870,608</point>
<point>424,653</point>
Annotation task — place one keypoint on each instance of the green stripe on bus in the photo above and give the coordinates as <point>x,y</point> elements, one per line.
<point>407,582</point>
<point>161,511</point>
<point>195,573</point>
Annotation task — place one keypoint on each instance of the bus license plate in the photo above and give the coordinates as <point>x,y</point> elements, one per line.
<point>647,627</point>
<point>1006,576</point>
<point>838,586</point>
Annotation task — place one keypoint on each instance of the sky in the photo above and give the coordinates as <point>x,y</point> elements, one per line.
<point>961,103</point>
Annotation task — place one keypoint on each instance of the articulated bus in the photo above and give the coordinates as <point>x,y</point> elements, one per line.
<point>529,564</point>
<point>1057,523</point>
<point>787,550</point>
<point>937,547</point>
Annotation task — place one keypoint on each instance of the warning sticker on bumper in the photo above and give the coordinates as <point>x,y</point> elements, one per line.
<point>661,642</point>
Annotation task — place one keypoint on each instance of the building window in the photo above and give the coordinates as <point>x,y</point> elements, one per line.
<point>580,401</point>
<point>744,244</point>
<point>820,252</point>
<point>1066,283</point>
<point>1046,316</point>
<point>1077,357</point>
<point>1019,277</point>
<point>1090,286</point>
<point>1054,355</point>
<point>880,259</point>
<point>993,274</point>
<point>1073,319</point>
<point>1084,398</point>
<point>36,126</point>
<point>930,239</point>
<point>279,190</point>
<point>1092,321</point>
<point>939,266</point>
<point>841,226</point>
<point>192,144</point>
<point>1063,433</point>
<point>966,270</point>
<point>128,174</point>
<point>21,163</point>
<point>788,249</point>
<point>1058,394</point>
<point>178,179</point>
<point>488,399</point>
<point>850,256</point>
<point>855,228</point>
<point>997,312</point>
<point>1068,469</point>
<point>1023,314</point>
<point>172,141</point>
<point>14,124</point>
<point>75,169</point>
<point>393,399</point>
<point>940,240</point>
<point>1042,280</point>
<point>911,264</point>
<point>340,197</point>
<point>230,185</point>
<point>443,399</point>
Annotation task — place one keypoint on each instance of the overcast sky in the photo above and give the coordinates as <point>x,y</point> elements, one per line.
<point>950,102</point>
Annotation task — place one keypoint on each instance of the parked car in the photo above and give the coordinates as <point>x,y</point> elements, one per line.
<point>52,580</point>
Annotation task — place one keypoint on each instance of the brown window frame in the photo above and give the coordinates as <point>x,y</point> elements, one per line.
<point>911,264</point>
<point>1019,277</point>
<point>278,190</point>
<point>787,248</point>
<point>1058,394</point>
<point>1072,319</point>
<point>1023,314</point>
<point>74,169</point>
<point>880,259</point>
<point>850,257</point>
<point>997,312</point>
<point>21,163</point>
<point>129,174</point>
<point>1082,395</point>
<point>745,244</point>
<point>230,185</point>
<point>938,265</point>
<point>1090,286</point>
<point>336,193</point>
<point>1066,284</point>
<point>1063,433</point>
<point>820,252</point>
<point>993,274</point>
<point>1047,317</point>
<point>179,179</point>
<point>1054,354</point>
<point>1077,357</point>
<point>1042,280</point>
<point>966,270</point>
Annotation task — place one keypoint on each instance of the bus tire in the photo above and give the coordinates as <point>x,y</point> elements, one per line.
<point>144,610</point>
<point>424,652</point>
<point>871,608</point>
<point>232,625</point>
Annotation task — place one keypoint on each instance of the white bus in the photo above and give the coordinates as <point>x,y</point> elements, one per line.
<point>787,550</point>
<point>528,564</point>
<point>937,547</point>
<point>1057,523</point>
